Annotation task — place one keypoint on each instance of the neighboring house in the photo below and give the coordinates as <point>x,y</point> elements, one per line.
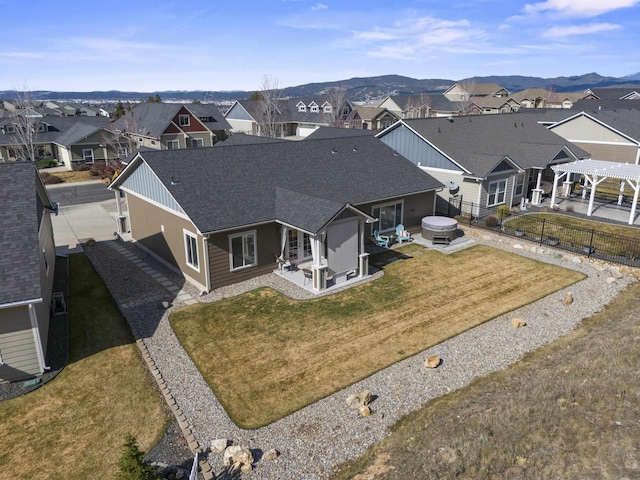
<point>222,215</point>
<point>173,126</point>
<point>465,91</point>
<point>47,131</point>
<point>489,105</point>
<point>610,135</point>
<point>294,117</point>
<point>26,271</point>
<point>375,118</point>
<point>420,106</point>
<point>491,160</point>
<point>86,144</point>
<point>542,98</point>
<point>614,93</point>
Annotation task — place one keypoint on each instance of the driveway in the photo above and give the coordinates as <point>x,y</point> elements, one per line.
<point>87,210</point>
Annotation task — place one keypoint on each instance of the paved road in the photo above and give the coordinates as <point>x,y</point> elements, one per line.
<point>79,193</point>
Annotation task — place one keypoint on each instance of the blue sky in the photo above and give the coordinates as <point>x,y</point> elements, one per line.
<point>142,45</point>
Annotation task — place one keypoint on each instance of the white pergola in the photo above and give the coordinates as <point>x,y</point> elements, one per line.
<point>595,171</point>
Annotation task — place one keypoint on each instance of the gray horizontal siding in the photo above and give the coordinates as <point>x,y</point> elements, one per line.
<point>17,345</point>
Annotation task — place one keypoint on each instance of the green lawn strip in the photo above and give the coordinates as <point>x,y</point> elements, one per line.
<point>266,356</point>
<point>75,425</point>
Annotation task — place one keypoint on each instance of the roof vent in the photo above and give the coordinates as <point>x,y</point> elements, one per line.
<point>174,181</point>
<point>355,148</point>
<point>334,151</point>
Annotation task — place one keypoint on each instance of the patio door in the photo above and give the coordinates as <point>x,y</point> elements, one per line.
<point>299,245</point>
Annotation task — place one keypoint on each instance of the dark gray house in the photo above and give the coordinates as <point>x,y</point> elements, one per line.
<point>26,271</point>
<point>222,215</point>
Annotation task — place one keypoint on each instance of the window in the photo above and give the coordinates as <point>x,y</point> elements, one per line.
<point>121,152</point>
<point>497,191</point>
<point>197,142</point>
<point>519,184</point>
<point>191,250</point>
<point>40,127</point>
<point>327,109</point>
<point>87,155</point>
<point>173,144</point>
<point>10,128</point>
<point>242,250</point>
<point>184,120</point>
<point>297,238</point>
<point>302,107</point>
<point>46,263</point>
<point>314,108</point>
<point>389,215</point>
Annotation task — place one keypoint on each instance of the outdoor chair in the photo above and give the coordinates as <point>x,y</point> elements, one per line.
<point>382,240</point>
<point>402,235</point>
<point>283,262</point>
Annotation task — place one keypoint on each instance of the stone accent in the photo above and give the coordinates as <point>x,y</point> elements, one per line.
<point>432,361</point>
<point>359,399</point>
<point>518,322</point>
<point>568,299</point>
<point>219,445</point>
<point>270,454</point>
<point>240,458</point>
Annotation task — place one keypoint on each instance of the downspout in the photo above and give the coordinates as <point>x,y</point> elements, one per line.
<point>36,338</point>
<point>207,275</point>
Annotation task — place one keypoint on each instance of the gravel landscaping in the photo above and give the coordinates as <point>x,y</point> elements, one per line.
<point>314,439</point>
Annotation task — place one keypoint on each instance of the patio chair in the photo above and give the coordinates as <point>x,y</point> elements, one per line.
<point>283,262</point>
<point>402,235</point>
<point>382,240</point>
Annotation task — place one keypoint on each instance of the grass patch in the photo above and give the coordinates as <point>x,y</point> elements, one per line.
<point>75,176</point>
<point>568,410</point>
<point>75,425</point>
<point>265,355</point>
<point>521,222</point>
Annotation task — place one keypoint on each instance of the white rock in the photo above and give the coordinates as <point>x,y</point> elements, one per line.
<point>219,444</point>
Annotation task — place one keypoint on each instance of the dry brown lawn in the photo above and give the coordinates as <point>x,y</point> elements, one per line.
<point>73,176</point>
<point>265,355</point>
<point>74,426</point>
<point>569,410</point>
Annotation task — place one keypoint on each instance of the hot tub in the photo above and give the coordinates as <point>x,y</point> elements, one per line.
<point>440,228</point>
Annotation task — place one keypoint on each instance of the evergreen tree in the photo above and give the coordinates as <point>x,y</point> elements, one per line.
<point>119,111</point>
<point>131,465</point>
<point>157,99</point>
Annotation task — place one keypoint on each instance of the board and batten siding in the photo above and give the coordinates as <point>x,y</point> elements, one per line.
<point>416,150</point>
<point>144,182</point>
<point>268,246</point>
<point>162,233</point>
<point>17,347</point>
<point>47,251</point>
<point>468,191</point>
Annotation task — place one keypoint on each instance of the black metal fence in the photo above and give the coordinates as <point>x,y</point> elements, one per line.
<point>590,242</point>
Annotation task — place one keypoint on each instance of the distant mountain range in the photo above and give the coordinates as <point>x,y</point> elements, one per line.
<point>358,89</point>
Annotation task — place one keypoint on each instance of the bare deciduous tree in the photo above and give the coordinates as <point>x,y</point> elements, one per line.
<point>337,98</point>
<point>269,97</point>
<point>420,104</point>
<point>465,101</point>
<point>23,127</point>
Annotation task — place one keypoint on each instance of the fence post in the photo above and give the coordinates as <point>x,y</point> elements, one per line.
<point>593,231</point>
<point>471,215</point>
<point>542,232</point>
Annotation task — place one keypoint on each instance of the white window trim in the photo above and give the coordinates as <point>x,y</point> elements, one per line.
<point>376,224</point>
<point>497,191</point>
<point>191,236</point>
<point>183,117</point>
<point>173,142</point>
<point>199,141</point>
<point>255,249</point>
<point>85,158</point>
<point>518,184</point>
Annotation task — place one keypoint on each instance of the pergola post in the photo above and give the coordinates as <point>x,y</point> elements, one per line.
<point>621,195</point>
<point>536,194</point>
<point>634,204</point>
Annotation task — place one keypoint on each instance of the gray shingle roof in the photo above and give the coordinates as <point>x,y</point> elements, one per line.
<point>228,187</point>
<point>336,132</point>
<point>20,260</point>
<point>77,132</point>
<point>479,142</point>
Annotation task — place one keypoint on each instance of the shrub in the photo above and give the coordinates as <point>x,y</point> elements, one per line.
<point>569,208</point>
<point>49,179</point>
<point>503,211</point>
<point>491,221</point>
<point>131,465</point>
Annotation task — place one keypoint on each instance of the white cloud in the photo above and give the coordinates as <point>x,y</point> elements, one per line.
<point>579,8</point>
<point>566,31</point>
<point>319,6</point>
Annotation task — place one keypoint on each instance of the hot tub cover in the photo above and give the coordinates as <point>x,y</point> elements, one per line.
<point>439,224</point>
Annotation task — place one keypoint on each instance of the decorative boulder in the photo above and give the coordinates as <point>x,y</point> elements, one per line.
<point>365,411</point>
<point>518,322</point>
<point>219,444</point>
<point>359,399</point>
<point>239,457</point>
<point>270,454</point>
<point>432,361</point>
<point>568,299</point>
